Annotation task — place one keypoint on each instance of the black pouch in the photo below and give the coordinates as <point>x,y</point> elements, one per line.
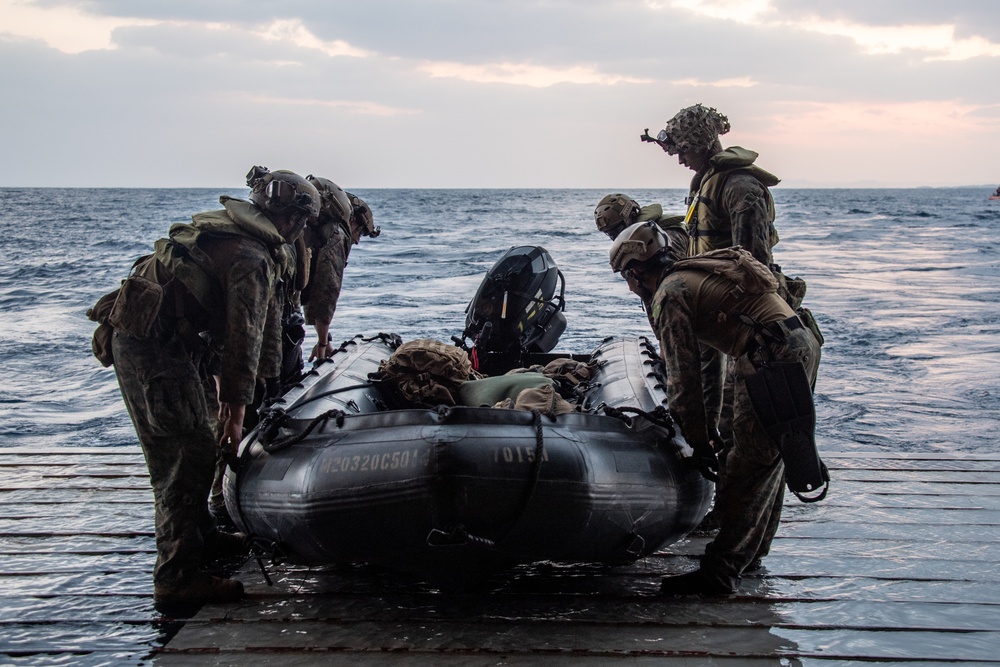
<point>137,307</point>
<point>782,400</point>
<point>100,344</point>
<point>809,320</point>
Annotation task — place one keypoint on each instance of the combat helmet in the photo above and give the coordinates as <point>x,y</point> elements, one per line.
<point>286,193</point>
<point>363,216</point>
<point>335,205</point>
<point>614,213</point>
<point>692,130</point>
<point>646,245</point>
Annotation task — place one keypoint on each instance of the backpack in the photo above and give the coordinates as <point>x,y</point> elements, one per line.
<point>426,373</point>
<point>737,265</point>
<point>131,309</point>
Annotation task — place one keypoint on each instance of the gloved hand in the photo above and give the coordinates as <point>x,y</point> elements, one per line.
<point>705,460</point>
<point>702,458</point>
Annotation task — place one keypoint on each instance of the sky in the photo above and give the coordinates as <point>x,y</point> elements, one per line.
<point>494,93</point>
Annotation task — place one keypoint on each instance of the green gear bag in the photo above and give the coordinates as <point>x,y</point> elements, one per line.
<point>489,391</point>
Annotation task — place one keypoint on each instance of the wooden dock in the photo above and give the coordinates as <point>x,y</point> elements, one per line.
<point>900,565</point>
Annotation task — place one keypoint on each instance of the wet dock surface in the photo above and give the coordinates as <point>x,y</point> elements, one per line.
<point>899,565</point>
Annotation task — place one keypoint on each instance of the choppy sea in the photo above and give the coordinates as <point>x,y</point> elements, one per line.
<point>904,284</point>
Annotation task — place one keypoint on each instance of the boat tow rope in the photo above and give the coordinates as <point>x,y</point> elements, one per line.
<point>457,535</point>
<point>706,462</point>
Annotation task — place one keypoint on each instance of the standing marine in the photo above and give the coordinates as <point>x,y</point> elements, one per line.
<point>729,204</point>
<point>192,326</point>
<point>727,300</point>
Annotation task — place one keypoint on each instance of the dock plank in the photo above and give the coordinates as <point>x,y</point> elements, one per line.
<point>900,565</point>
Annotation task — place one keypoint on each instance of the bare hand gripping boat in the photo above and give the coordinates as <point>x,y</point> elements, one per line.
<point>456,493</point>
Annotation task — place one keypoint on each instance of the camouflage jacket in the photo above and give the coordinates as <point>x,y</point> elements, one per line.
<point>730,204</point>
<point>229,278</point>
<point>326,274</point>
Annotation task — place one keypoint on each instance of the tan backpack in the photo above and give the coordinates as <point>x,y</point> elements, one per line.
<point>736,264</point>
<point>427,373</point>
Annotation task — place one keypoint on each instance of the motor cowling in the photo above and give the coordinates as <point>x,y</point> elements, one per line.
<point>516,309</point>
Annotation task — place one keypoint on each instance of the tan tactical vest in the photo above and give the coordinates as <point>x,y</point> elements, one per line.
<point>708,228</point>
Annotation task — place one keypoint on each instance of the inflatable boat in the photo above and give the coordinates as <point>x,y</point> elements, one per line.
<point>336,473</point>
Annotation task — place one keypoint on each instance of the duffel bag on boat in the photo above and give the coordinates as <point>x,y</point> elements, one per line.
<point>490,391</point>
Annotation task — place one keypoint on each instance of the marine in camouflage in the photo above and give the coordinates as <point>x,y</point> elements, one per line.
<point>691,309</point>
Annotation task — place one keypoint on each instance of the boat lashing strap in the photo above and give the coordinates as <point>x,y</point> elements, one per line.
<point>457,535</point>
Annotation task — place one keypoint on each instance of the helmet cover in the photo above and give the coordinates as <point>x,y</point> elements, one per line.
<point>336,205</point>
<point>614,213</point>
<point>283,192</point>
<point>363,216</point>
<point>693,130</point>
<point>643,242</point>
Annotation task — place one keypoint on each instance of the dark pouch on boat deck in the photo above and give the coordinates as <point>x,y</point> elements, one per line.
<point>137,307</point>
<point>782,400</point>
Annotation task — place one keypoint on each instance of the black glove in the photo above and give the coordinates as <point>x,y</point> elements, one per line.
<point>706,462</point>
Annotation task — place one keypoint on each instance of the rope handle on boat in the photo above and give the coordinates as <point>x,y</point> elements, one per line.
<point>278,418</point>
<point>658,416</point>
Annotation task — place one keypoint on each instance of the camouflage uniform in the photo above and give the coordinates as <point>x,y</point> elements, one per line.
<point>330,245</point>
<point>695,308</point>
<point>167,384</point>
<point>730,205</point>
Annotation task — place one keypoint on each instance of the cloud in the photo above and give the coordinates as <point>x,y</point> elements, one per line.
<point>63,27</point>
<point>743,11</point>
<point>524,74</point>
<point>848,121</point>
<point>473,93</point>
<point>740,82</point>
<point>361,108</point>
<point>294,32</point>
<point>938,41</point>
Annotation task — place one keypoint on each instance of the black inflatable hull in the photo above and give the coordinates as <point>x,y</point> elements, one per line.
<point>457,494</point>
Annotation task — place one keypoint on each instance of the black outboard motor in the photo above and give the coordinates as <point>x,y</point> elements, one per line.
<point>516,311</point>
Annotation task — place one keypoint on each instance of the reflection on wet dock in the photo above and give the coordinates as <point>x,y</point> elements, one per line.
<point>901,564</point>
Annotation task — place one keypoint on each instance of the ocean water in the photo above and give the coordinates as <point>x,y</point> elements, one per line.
<point>903,283</point>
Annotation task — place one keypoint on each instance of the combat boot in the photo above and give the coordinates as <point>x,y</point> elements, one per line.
<point>201,588</point>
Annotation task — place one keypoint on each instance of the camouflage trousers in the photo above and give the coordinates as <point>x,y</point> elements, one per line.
<point>749,502</point>
<point>165,393</point>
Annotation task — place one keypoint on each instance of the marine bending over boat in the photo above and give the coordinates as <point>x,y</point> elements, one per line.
<point>726,300</point>
<point>197,308</point>
<point>343,220</point>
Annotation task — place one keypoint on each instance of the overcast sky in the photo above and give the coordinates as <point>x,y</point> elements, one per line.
<point>494,93</point>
